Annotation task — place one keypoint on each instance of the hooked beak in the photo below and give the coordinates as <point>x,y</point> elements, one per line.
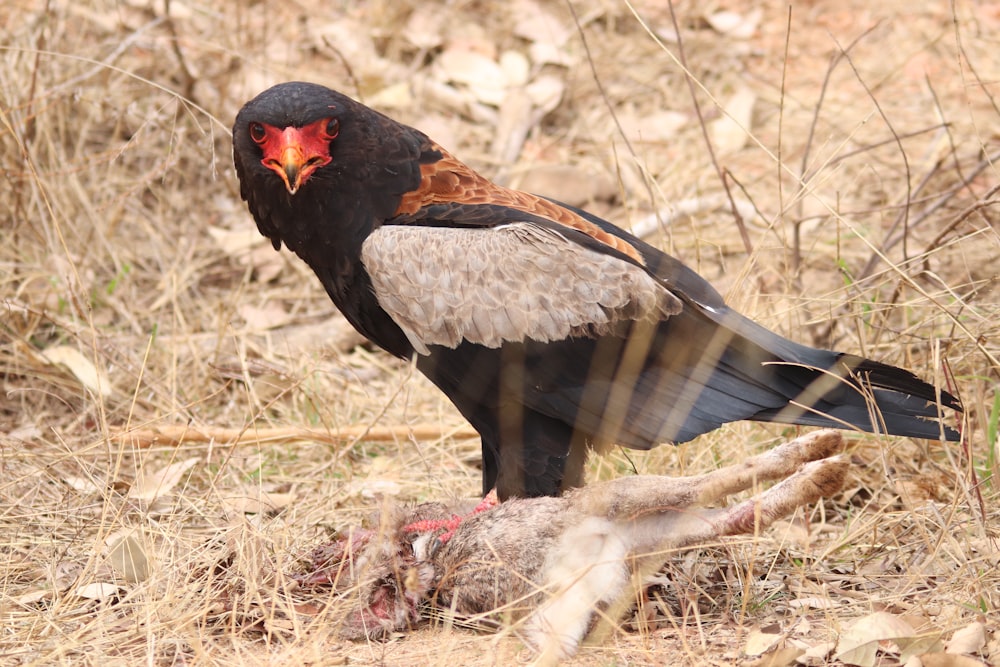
<point>289,167</point>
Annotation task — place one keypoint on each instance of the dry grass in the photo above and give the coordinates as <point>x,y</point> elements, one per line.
<point>135,294</point>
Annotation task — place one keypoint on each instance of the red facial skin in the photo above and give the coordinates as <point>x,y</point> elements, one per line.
<point>294,153</point>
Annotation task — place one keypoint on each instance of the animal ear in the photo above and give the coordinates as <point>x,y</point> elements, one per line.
<point>384,600</point>
<point>377,617</point>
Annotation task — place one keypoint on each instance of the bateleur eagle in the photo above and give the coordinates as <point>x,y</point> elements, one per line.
<point>551,330</point>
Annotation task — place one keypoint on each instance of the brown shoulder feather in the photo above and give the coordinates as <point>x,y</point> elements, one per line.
<point>450,180</point>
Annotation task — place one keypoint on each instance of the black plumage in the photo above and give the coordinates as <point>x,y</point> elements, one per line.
<point>657,356</point>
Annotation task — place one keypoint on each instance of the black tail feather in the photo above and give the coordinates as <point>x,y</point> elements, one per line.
<point>845,390</point>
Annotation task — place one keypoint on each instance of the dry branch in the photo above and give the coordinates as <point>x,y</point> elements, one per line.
<point>183,433</point>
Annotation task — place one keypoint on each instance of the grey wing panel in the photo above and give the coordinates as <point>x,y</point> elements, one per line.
<point>518,281</point>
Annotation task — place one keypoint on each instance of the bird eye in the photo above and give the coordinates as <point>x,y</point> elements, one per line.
<point>332,128</point>
<point>257,132</point>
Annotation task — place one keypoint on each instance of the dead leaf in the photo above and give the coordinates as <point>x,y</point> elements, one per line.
<point>920,491</point>
<point>472,37</point>
<point>517,116</point>
<point>31,597</point>
<point>547,34</point>
<point>380,480</point>
<point>546,92</point>
<point>782,657</point>
<point>65,574</point>
<point>335,332</point>
<point>516,68</point>
<point>96,591</point>
<point>127,556</point>
<point>352,39</point>
<point>537,25</point>
<point>659,126</point>
<point>82,368</point>
<point>794,532</point>
<point>949,660</point>
<point>25,433</point>
<point>271,316</point>
<point>267,264</point>
<point>437,93</point>
<point>396,96</point>
<point>760,642</point>
<point>918,644</point>
<point>543,53</point>
<point>81,484</point>
<point>425,27</point>
<point>970,639</point>
<point>279,626</point>
<point>732,24</point>
<point>151,485</point>
<point>249,248</point>
<point>236,242</point>
<point>731,131</point>
<point>802,627</point>
<point>482,75</point>
<point>859,644</point>
<point>817,653</point>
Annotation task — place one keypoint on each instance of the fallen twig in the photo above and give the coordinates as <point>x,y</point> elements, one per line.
<point>182,433</point>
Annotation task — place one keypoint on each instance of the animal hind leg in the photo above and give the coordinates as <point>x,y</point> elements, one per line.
<point>632,497</point>
<point>653,525</point>
<point>815,480</point>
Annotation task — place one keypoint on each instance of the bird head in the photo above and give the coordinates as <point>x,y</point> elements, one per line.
<point>288,129</point>
<point>318,169</point>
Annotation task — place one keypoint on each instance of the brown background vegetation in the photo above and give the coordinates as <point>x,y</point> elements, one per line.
<point>857,139</point>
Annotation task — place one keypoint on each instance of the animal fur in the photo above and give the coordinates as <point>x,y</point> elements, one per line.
<point>556,562</point>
